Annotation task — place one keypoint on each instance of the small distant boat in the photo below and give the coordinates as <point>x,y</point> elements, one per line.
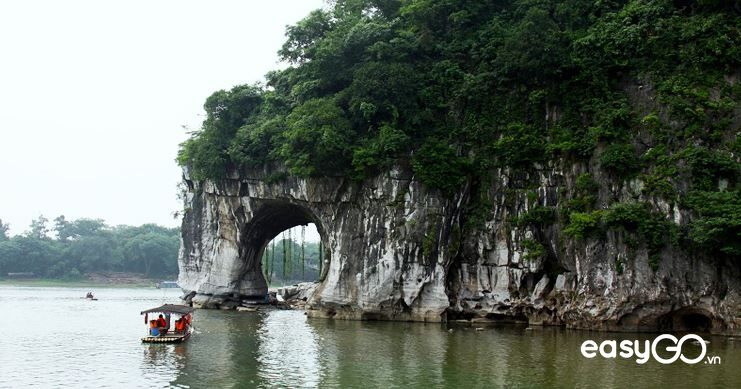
<point>167,284</point>
<point>165,330</point>
<point>89,296</point>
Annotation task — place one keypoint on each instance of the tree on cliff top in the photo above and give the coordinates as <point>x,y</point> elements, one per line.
<point>459,88</point>
<point>463,74</point>
<point>4,228</point>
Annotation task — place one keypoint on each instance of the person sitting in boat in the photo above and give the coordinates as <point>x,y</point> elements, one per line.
<point>162,324</point>
<point>180,325</point>
<point>89,295</point>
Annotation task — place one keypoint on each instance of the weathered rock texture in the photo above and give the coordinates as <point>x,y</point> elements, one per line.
<point>399,251</point>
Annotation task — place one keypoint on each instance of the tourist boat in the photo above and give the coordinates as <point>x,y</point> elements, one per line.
<point>177,327</point>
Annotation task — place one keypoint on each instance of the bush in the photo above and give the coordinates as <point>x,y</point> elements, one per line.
<point>707,167</point>
<point>520,145</point>
<point>651,229</point>
<point>438,166</point>
<point>626,215</point>
<point>582,224</point>
<point>318,139</point>
<point>716,225</point>
<point>585,184</point>
<point>536,216</point>
<point>533,249</point>
<point>619,159</point>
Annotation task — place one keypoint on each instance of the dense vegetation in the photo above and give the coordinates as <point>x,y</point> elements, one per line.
<point>70,249</point>
<point>84,246</point>
<point>631,89</point>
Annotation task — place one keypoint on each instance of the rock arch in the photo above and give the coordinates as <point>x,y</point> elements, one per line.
<point>400,251</point>
<point>377,267</point>
<point>267,221</point>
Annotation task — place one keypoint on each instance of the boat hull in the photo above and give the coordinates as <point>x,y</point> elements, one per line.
<point>170,338</point>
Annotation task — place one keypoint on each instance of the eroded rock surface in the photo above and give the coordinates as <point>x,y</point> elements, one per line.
<point>396,250</point>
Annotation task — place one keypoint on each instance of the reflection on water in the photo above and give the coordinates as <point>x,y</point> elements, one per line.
<point>49,337</point>
<point>288,351</point>
<point>162,362</point>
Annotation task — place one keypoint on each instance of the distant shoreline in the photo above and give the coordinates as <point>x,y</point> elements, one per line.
<point>98,280</point>
<point>45,283</point>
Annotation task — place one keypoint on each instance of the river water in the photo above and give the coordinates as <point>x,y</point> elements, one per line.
<point>51,337</point>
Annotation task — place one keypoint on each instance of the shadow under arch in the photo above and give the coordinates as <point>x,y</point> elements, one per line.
<point>270,219</point>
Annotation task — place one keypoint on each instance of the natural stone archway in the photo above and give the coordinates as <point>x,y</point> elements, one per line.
<point>372,273</point>
<point>268,220</point>
<point>400,251</point>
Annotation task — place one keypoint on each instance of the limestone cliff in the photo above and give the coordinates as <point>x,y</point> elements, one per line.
<point>399,251</point>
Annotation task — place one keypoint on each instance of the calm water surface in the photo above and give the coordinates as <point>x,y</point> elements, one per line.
<point>50,337</point>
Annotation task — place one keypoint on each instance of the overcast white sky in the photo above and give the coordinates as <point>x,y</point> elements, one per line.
<point>93,95</point>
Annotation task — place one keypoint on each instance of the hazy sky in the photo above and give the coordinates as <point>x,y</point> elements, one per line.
<point>94,94</point>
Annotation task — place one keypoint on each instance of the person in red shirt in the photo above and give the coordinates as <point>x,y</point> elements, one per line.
<point>180,325</point>
<point>162,324</point>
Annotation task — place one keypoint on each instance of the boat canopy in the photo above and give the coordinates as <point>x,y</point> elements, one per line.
<point>171,308</point>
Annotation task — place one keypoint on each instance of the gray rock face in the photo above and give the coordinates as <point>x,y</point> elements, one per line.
<point>399,251</point>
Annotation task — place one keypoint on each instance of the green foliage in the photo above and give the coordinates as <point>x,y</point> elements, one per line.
<point>620,266</point>
<point>255,143</point>
<point>477,212</point>
<point>583,224</point>
<point>520,145</point>
<point>707,167</point>
<point>649,228</point>
<point>662,172</point>
<point>585,194</point>
<point>585,184</point>
<point>626,215</point>
<point>461,88</point>
<point>89,245</point>
<point>226,111</point>
<point>535,216</point>
<point>619,159</point>
<point>533,249</point>
<point>379,152</point>
<point>273,178</point>
<point>39,228</point>
<point>373,81</point>
<point>4,227</point>
<point>429,244</point>
<point>716,225</point>
<point>438,166</point>
<point>317,139</point>
<point>652,229</point>
<point>653,261</point>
